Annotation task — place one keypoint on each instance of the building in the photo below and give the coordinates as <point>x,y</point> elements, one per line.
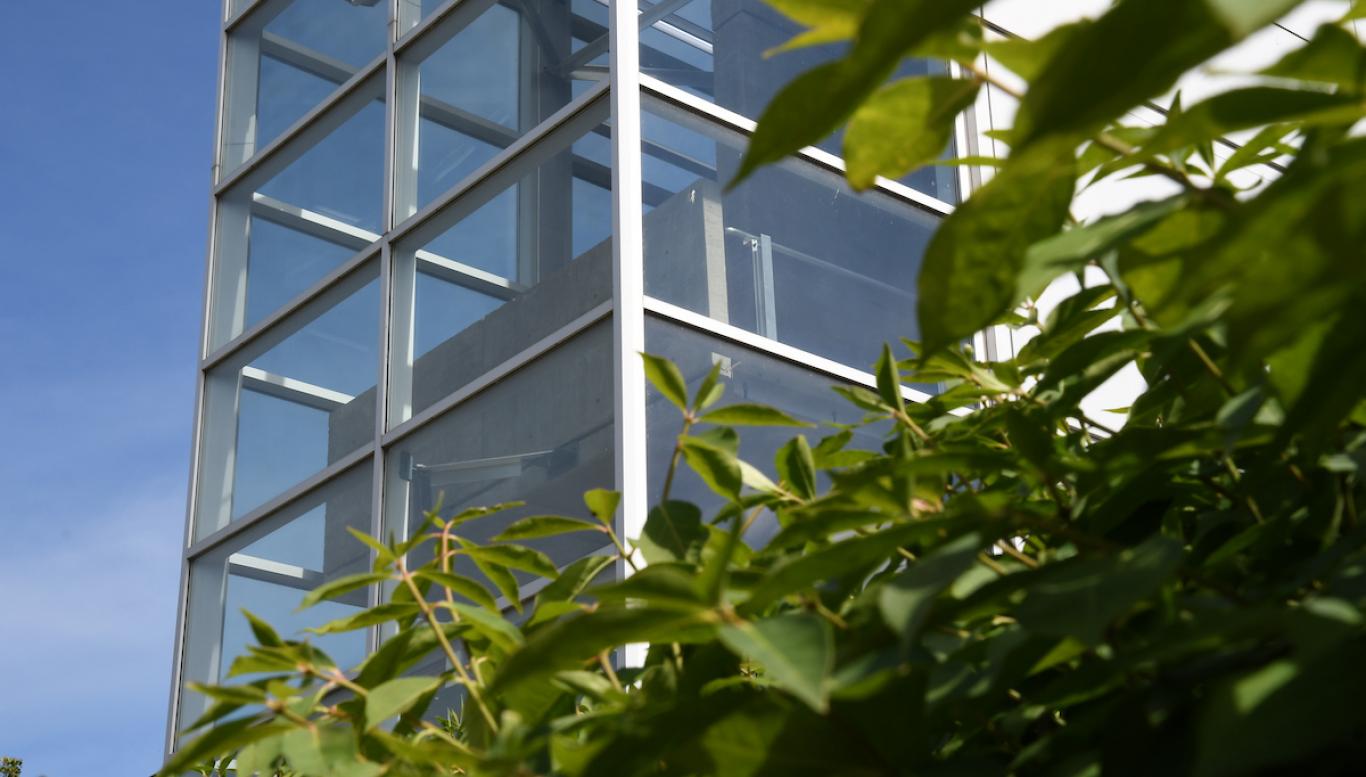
<point>441,233</point>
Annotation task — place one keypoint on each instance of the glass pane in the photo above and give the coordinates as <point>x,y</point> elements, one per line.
<point>750,376</point>
<point>542,436</point>
<point>267,570</point>
<point>283,64</point>
<point>480,83</point>
<point>717,50</point>
<point>791,254</point>
<point>322,203</point>
<point>509,263</point>
<point>292,403</point>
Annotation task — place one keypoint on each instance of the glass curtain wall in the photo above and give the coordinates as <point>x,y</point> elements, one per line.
<point>415,292</point>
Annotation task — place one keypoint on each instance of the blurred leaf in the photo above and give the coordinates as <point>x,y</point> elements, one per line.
<point>1135,52</point>
<point>537,526</point>
<point>673,532</point>
<point>395,697</point>
<point>517,557</point>
<point>459,584</point>
<point>1081,597</point>
<point>342,585</point>
<point>797,467</point>
<point>829,21</point>
<point>603,504</point>
<point>717,466</point>
<point>748,414</point>
<point>666,379</point>
<point>903,126</point>
<point>796,650</point>
<point>906,600</point>
<point>384,613</point>
<point>890,30</point>
<point>970,271</point>
<point>1333,56</point>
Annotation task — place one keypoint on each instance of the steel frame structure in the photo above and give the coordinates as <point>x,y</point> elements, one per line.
<point>624,93</point>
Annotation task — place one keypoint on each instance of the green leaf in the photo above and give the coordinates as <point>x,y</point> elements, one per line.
<point>890,30</point>
<point>1250,108</point>
<point>903,126</point>
<point>717,467</point>
<point>395,697</point>
<point>888,376</point>
<point>342,585</point>
<point>517,557</point>
<point>574,578</point>
<point>1081,597</point>
<point>829,21</point>
<point>749,414</point>
<point>223,738</point>
<point>383,554</point>
<point>603,505</point>
<point>1133,53</point>
<point>537,526</point>
<point>661,585</point>
<point>1026,57</point>
<point>1072,249</point>
<point>673,532</point>
<point>503,580</point>
<point>1333,56</point>
<point>489,623</point>
<point>375,615</point>
<point>265,635</point>
<point>906,599</point>
<point>710,391</point>
<point>843,558</point>
<point>797,467</point>
<point>459,584</point>
<point>568,643</point>
<point>971,269</point>
<point>797,651</point>
<point>667,380</point>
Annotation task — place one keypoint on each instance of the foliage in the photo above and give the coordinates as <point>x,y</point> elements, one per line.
<point>1008,585</point>
<point>10,767</point>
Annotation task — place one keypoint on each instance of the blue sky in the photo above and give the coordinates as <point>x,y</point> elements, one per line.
<point>106,130</point>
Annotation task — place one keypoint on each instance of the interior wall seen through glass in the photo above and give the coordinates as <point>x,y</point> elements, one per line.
<point>543,436</point>
<point>498,71</point>
<point>282,232</point>
<point>267,570</point>
<point>283,61</point>
<point>291,404</point>
<point>510,263</point>
<point>722,51</point>
<point>792,253</point>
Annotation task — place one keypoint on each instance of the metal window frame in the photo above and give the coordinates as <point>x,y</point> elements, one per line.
<point>625,93</point>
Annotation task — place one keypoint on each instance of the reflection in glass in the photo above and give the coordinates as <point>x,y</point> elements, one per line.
<point>720,50</point>
<point>482,78</point>
<point>291,403</point>
<point>542,436</point>
<point>286,228</point>
<point>285,59</point>
<point>791,254</point>
<point>750,376</point>
<point>509,263</point>
<point>267,570</point>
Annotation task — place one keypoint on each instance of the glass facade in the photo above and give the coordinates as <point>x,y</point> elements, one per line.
<point>439,241</point>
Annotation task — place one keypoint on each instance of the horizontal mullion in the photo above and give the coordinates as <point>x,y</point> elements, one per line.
<point>318,289</point>
<point>300,490</point>
<point>272,159</point>
<point>743,337</point>
<point>498,373</point>
<point>708,110</point>
<point>505,158</point>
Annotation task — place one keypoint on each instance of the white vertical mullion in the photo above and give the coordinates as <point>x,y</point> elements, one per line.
<point>628,274</point>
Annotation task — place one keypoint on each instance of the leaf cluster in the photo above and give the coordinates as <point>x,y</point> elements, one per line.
<point>1011,583</point>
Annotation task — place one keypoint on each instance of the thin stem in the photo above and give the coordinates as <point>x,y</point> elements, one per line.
<point>610,672</point>
<point>456,663</point>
